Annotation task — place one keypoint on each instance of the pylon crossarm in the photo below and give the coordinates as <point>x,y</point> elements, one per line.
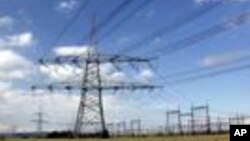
<point>59,60</point>
<point>74,59</point>
<point>199,107</point>
<point>93,87</point>
<point>186,114</point>
<point>174,112</point>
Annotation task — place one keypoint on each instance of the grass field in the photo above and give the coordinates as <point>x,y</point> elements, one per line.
<point>183,138</point>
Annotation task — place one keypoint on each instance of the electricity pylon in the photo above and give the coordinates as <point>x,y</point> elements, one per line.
<point>40,121</point>
<point>90,109</point>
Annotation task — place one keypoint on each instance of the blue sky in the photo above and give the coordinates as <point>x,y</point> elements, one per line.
<point>29,27</point>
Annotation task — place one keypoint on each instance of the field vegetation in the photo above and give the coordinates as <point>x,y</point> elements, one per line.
<point>175,138</point>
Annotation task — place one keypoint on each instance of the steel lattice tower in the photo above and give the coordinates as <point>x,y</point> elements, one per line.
<point>90,114</point>
<point>90,110</point>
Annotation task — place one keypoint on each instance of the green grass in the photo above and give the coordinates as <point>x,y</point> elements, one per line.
<point>180,138</point>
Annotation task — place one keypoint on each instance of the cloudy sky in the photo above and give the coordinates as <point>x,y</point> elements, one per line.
<point>29,30</point>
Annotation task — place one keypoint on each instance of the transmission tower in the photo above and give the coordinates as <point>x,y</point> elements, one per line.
<point>40,121</point>
<point>90,113</point>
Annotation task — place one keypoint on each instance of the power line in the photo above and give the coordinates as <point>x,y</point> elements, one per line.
<point>67,26</point>
<point>169,84</point>
<point>212,74</point>
<point>204,69</point>
<point>113,14</point>
<point>128,16</point>
<point>196,38</point>
<point>201,36</point>
<point>169,28</point>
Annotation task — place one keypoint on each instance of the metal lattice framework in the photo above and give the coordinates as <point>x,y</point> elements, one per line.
<point>90,111</point>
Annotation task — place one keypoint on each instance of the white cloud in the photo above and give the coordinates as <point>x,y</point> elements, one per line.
<point>117,77</point>
<point>6,21</point>
<point>12,75</point>
<point>19,40</point>
<point>224,58</point>
<point>16,105</point>
<point>10,59</point>
<point>145,76</point>
<point>107,68</point>
<point>24,39</point>
<point>67,73</point>
<point>73,51</point>
<point>67,5</point>
<point>62,73</point>
<point>13,66</point>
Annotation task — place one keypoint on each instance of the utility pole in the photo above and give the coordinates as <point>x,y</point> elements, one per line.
<point>192,120</point>
<point>208,119</point>
<point>206,109</point>
<point>178,114</point>
<point>183,115</point>
<point>167,127</point>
